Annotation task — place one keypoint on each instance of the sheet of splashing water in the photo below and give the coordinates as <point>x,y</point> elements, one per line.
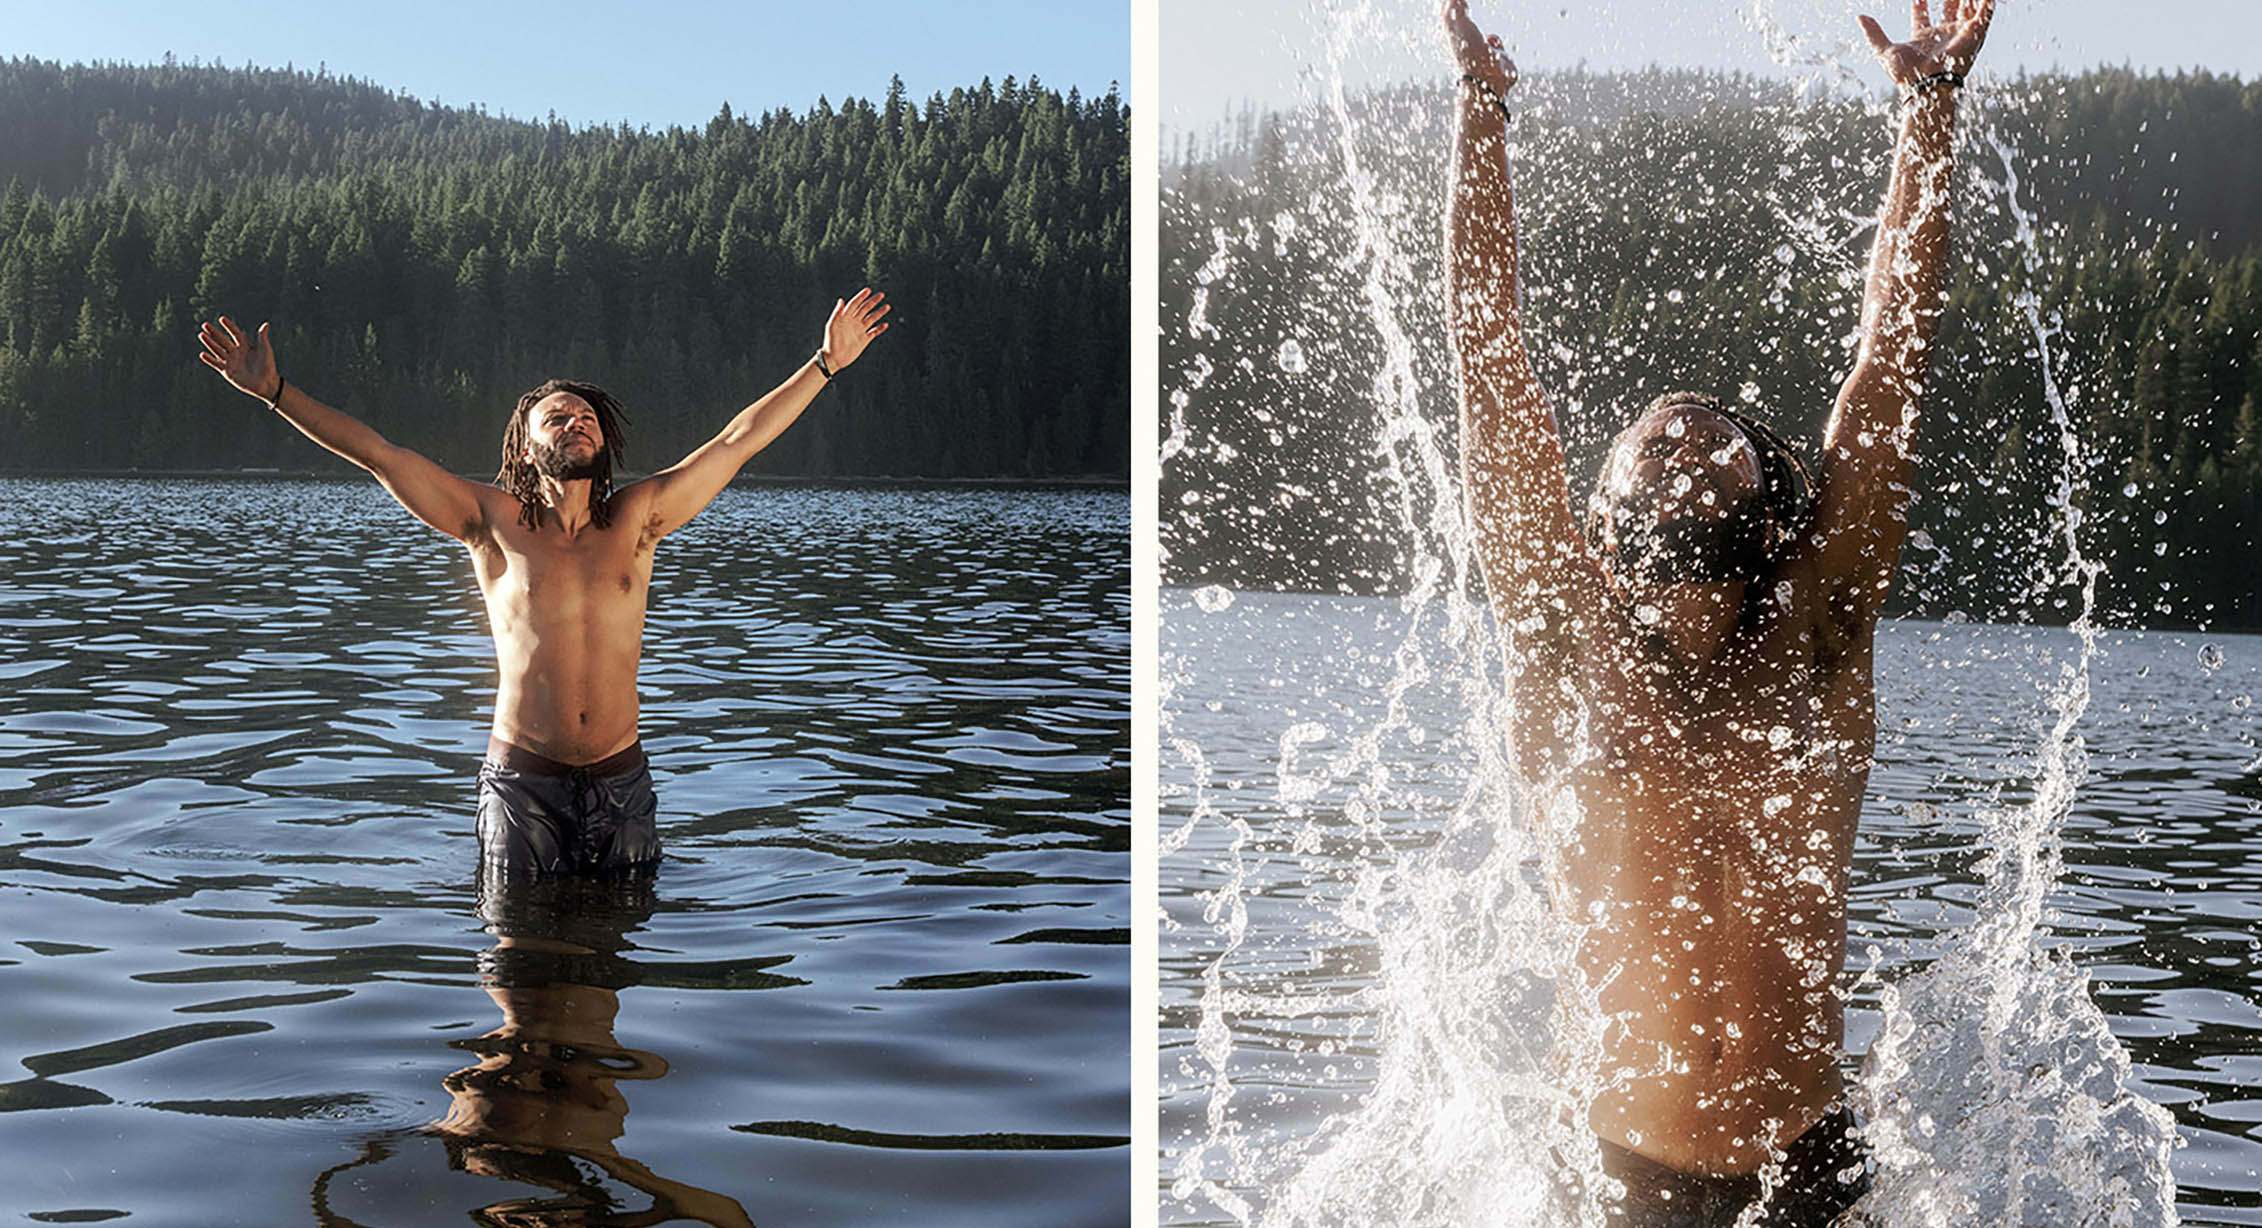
<point>1993,1089</point>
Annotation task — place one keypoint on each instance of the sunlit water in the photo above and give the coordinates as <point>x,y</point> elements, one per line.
<point>881,975</point>
<point>2158,904</point>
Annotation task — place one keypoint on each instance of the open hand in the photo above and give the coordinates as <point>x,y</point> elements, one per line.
<point>1947,47</point>
<point>1476,53</point>
<point>248,363</point>
<point>853,325</point>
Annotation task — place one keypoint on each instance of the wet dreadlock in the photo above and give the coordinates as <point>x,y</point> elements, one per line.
<point>519,476</point>
<point>1785,500</point>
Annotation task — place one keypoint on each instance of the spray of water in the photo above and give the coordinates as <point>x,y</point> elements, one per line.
<point>1993,1088</point>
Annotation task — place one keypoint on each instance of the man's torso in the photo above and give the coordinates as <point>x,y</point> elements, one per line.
<point>1717,804</point>
<point>567,613</point>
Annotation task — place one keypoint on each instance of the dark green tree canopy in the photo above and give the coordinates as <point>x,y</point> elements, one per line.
<point>421,265</point>
<point>1693,230</point>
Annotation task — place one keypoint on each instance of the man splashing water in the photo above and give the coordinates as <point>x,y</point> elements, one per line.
<point>1714,643</point>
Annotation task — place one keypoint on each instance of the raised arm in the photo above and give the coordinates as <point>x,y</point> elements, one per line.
<point>1870,446</point>
<point>1514,480</point>
<point>1544,582</point>
<point>455,506</point>
<point>676,494</point>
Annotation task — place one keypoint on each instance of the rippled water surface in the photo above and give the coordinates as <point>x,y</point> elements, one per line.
<point>881,976</point>
<point>2160,901</point>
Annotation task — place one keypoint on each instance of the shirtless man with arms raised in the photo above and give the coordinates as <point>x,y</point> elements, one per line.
<point>1698,678</point>
<point>564,562</point>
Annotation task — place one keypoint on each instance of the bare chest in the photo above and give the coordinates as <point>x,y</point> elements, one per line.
<point>546,575</point>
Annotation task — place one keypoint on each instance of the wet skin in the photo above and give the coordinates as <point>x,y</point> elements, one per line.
<point>1716,759</point>
<point>1699,749</point>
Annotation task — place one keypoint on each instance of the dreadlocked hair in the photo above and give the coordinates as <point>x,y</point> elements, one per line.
<point>524,482</point>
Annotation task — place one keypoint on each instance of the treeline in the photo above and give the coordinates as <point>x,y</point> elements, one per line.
<point>422,265</point>
<point>1685,230</point>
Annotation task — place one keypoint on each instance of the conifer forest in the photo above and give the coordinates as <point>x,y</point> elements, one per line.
<point>1708,231</point>
<point>422,265</point>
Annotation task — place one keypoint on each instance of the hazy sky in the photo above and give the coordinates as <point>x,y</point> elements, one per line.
<point>656,63</point>
<point>1216,52</point>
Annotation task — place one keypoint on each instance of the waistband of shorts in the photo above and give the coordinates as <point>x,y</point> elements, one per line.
<point>534,763</point>
<point>1831,1143</point>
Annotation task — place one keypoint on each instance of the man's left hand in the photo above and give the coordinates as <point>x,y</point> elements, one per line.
<point>1947,47</point>
<point>852,327</point>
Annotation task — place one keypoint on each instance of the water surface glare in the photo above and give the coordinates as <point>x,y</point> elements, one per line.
<point>882,975</point>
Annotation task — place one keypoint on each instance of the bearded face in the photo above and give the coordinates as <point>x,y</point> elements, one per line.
<point>569,458</point>
<point>1654,547</point>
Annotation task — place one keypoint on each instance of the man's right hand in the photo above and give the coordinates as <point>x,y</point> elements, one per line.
<point>249,364</point>
<point>1476,53</point>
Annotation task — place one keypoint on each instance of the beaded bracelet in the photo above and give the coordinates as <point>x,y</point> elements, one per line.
<point>1924,84</point>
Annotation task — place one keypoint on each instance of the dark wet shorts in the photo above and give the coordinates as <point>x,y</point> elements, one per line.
<point>1825,1172</point>
<point>540,816</point>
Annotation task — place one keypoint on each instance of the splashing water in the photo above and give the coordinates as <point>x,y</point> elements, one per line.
<point>1996,1050</point>
<point>1385,1021</point>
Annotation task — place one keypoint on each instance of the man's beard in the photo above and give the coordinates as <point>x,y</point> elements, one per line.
<point>556,463</point>
<point>1686,549</point>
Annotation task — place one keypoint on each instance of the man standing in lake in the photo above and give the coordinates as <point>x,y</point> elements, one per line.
<point>564,562</point>
<point>1697,679</point>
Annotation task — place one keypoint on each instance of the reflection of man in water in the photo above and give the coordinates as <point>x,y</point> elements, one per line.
<point>1697,680</point>
<point>564,561</point>
<point>540,1105</point>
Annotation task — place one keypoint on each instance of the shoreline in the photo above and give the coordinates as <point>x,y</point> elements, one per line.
<point>1090,481</point>
<point>1177,591</point>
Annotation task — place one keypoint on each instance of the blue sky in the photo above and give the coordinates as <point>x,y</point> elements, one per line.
<point>1215,52</point>
<point>655,63</point>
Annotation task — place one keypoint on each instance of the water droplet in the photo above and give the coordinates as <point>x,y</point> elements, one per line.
<point>1646,614</point>
<point>1291,357</point>
<point>2240,703</point>
<point>2210,658</point>
<point>1921,540</point>
<point>2129,490</point>
<point>1213,598</point>
<point>1776,805</point>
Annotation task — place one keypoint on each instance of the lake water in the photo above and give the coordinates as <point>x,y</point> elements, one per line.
<point>882,975</point>
<point>1275,988</point>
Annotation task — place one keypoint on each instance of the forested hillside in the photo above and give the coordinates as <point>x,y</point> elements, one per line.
<point>422,265</point>
<point>1684,230</point>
